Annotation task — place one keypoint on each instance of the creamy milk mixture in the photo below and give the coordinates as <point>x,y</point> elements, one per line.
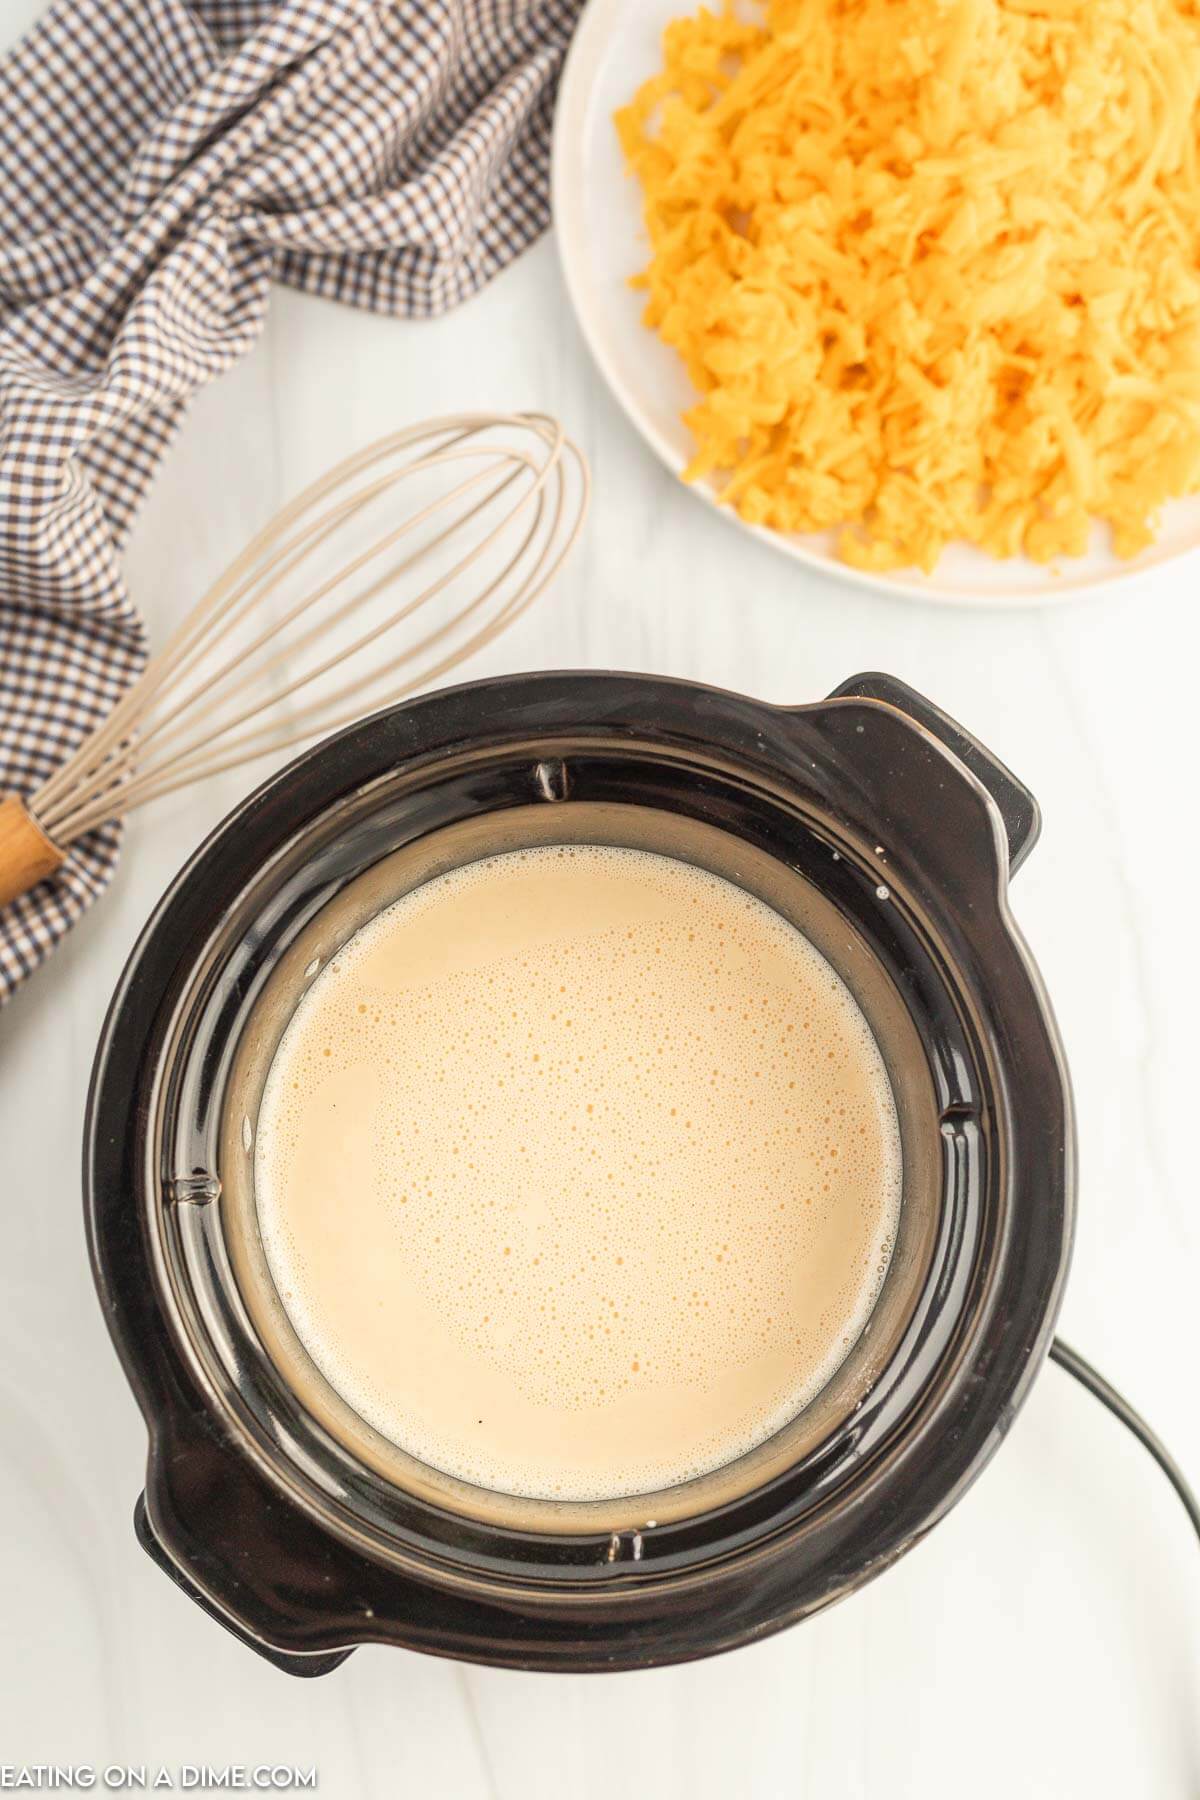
<point>578,1172</point>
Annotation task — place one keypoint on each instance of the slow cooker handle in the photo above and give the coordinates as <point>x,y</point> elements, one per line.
<point>1017,807</point>
<point>292,1663</point>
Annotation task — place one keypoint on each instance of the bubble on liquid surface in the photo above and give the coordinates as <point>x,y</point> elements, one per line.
<point>578,1172</point>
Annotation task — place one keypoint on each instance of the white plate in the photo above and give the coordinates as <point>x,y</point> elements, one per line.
<point>597,215</point>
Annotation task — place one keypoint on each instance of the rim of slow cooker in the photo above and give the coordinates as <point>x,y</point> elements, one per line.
<point>720,717</point>
<point>203,1270</point>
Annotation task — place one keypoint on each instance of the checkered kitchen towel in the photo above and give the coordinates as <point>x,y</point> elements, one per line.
<point>161,161</point>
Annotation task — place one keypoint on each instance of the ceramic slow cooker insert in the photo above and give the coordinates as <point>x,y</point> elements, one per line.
<point>888,836</point>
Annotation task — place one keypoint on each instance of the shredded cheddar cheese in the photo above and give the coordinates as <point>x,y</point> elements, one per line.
<point>933,265</point>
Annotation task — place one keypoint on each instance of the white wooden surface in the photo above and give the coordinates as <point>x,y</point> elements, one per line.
<point>1045,1640</point>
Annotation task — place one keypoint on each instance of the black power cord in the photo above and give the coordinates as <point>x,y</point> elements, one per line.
<point>1094,1382</point>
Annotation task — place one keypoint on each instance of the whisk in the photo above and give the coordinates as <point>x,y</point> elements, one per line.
<point>257,667</point>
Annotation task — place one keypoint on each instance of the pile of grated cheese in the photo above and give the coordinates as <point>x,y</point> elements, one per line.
<point>933,265</point>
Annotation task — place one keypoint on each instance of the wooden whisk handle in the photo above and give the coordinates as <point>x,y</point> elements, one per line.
<point>27,855</point>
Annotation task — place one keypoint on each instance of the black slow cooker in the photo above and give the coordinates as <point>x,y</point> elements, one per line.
<point>881,829</point>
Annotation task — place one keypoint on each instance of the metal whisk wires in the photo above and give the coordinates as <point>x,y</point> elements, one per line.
<point>254,669</point>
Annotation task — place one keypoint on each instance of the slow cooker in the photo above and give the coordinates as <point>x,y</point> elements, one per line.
<point>873,822</point>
